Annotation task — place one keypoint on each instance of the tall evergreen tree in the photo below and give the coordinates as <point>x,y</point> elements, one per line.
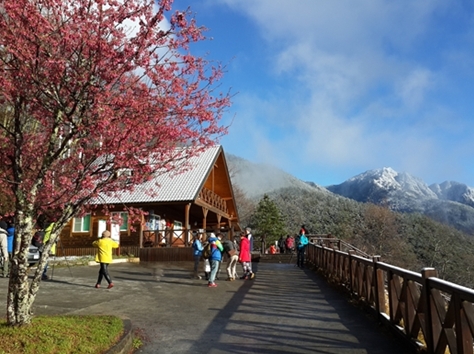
<point>267,221</point>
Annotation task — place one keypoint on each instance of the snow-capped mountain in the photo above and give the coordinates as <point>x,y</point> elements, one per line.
<point>454,191</point>
<point>448,202</point>
<point>383,186</point>
<point>451,203</point>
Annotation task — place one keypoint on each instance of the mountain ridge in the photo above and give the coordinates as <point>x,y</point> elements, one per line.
<point>449,202</point>
<point>370,185</point>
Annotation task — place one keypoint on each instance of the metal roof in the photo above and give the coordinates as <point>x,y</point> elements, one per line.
<point>171,187</point>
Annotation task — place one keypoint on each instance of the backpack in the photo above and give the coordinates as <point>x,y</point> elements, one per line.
<point>206,252</point>
<point>228,245</point>
<point>236,246</point>
<point>37,239</point>
<point>229,248</point>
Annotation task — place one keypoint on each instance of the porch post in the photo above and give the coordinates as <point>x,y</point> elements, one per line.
<point>204,219</point>
<point>140,238</point>
<point>231,230</point>
<point>219,217</point>
<point>186,224</point>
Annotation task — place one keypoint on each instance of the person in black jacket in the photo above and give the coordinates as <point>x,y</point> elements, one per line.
<point>281,244</point>
<point>233,258</point>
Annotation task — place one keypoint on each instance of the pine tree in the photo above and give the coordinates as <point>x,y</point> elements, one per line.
<point>267,221</point>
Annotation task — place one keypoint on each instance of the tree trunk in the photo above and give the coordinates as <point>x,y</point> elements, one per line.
<point>21,290</point>
<point>20,295</point>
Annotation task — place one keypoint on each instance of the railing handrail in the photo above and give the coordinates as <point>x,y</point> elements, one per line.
<point>327,239</point>
<point>433,313</point>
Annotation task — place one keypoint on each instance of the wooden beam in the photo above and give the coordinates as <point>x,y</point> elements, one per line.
<point>204,219</point>
<point>142,223</point>
<point>219,217</point>
<point>215,210</point>
<point>187,207</point>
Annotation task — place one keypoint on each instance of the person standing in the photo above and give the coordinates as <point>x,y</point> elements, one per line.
<point>290,244</point>
<point>248,232</point>
<point>197,253</point>
<point>52,251</point>
<point>104,257</point>
<point>233,257</point>
<point>301,247</point>
<point>273,249</point>
<point>4,246</point>
<point>214,259</point>
<point>10,238</point>
<point>281,244</point>
<point>245,257</point>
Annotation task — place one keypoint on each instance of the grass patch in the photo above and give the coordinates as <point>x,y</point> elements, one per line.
<point>61,335</point>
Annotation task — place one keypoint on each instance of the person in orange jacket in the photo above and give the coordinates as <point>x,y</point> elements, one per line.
<point>273,249</point>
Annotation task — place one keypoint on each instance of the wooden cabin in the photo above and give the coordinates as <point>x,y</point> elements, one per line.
<point>201,198</point>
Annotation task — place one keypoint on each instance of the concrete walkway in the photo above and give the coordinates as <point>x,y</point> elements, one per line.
<point>283,310</point>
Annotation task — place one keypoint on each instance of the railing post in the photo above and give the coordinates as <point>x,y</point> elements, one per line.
<point>426,273</point>
<point>379,287</point>
<point>351,275</point>
<point>464,340</point>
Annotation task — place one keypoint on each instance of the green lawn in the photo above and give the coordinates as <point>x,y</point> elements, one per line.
<point>61,335</point>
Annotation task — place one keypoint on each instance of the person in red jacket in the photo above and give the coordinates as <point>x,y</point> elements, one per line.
<point>290,244</point>
<point>245,257</point>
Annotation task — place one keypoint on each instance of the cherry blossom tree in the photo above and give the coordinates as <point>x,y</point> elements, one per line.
<point>90,88</point>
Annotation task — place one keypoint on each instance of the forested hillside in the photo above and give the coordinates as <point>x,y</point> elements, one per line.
<point>412,241</point>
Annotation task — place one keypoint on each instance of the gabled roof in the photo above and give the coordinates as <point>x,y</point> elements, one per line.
<point>172,187</point>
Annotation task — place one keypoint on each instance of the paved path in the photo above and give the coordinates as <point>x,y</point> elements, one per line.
<point>283,310</point>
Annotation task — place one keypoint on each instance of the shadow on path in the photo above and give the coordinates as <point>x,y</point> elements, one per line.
<point>283,310</point>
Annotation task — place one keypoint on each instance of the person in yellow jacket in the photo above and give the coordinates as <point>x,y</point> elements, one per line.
<point>52,251</point>
<point>104,257</point>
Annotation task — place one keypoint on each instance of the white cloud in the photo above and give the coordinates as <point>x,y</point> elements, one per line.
<point>413,87</point>
<point>362,92</point>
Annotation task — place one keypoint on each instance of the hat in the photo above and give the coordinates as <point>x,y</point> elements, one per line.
<point>106,233</point>
<point>212,234</point>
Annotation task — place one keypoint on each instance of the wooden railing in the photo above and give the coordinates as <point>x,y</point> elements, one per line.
<point>126,251</point>
<point>213,199</point>
<point>167,238</point>
<point>435,315</point>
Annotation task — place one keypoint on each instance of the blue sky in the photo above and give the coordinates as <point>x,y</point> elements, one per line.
<point>326,90</point>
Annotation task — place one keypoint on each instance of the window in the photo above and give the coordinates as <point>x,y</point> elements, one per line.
<point>82,224</point>
<point>121,219</point>
<point>178,228</point>
<point>154,222</point>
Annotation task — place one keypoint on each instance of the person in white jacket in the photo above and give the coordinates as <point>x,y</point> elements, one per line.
<point>4,246</point>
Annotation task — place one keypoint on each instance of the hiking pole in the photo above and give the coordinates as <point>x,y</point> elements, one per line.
<point>291,258</point>
<point>65,257</point>
<point>52,271</point>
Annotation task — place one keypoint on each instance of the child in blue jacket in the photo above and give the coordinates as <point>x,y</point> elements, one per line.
<point>215,259</point>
